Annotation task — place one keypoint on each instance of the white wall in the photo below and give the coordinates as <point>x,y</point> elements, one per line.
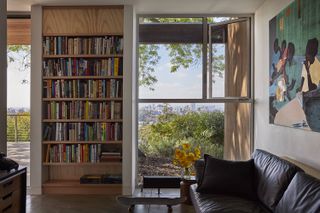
<point>35,102</point>
<point>284,141</point>
<point>129,119</point>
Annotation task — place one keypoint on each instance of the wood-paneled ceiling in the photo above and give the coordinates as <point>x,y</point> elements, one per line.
<point>19,31</point>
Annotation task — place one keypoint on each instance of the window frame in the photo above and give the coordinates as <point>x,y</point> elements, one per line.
<point>205,71</point>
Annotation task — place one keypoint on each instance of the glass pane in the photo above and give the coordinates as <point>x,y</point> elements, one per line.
<point>163,127</point>
<point>218,70</point>
<point>220,19</point>
<point>170,71</point>
<point>221,130</point>
<point>229,75</point>
<point>147,20</point>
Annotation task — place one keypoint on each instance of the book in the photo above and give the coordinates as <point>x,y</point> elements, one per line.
<point>62,45</point>
<point>91,179</point>
<point>83,89</point>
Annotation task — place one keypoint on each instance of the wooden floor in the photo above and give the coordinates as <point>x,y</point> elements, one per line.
<point>91,204</point>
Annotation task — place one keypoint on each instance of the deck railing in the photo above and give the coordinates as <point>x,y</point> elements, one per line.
<point>18,127</point>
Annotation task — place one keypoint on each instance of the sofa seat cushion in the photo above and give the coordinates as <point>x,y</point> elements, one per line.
<point>302,195</point>
<point>272,177</point>
<point>210,203</point>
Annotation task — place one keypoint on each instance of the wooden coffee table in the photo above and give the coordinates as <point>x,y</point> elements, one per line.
<point>151,197</point>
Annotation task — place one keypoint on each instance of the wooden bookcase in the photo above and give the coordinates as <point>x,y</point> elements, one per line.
<point>82,78</point>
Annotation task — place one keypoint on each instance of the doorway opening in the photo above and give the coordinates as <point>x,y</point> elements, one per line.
<point>18,91</point>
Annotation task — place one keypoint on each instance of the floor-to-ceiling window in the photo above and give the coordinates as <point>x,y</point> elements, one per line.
<point>194,87</point>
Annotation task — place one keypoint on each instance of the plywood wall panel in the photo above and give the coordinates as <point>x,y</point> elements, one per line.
<point>83,20</point>
<point>237,116</point>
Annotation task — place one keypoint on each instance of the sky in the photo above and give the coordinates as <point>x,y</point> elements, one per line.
<point>18,94</point>
<point>185,83</point>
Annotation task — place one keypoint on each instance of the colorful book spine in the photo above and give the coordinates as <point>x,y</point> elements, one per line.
<point>75,153</point>
<point>62,45</point>
<point>82,131</point>
<point>83,89</point>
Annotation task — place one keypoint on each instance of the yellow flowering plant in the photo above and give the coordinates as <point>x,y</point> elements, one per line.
<point>185,156</point>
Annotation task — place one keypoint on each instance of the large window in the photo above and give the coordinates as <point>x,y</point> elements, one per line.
<point>194,87</point>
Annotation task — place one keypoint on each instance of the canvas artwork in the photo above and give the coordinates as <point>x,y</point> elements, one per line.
<point>294,72</point>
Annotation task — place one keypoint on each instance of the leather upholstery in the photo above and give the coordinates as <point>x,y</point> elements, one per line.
<point>210,203</point>
<point>302,195</point>
<point>199,167</point>
<point>232,178</point>
<point>275,180</point>
<point>272,177</point>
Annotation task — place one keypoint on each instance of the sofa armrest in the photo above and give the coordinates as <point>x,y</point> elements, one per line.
<point>306,168</point>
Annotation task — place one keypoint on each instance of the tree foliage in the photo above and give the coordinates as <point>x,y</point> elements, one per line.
<point>20,54</point>
<point>204,129</point>
<point>182,56</point>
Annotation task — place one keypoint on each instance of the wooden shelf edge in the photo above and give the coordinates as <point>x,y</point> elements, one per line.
<point>74,187</point>
<point>82,164</point>
<point>81,120</point>
<point>75,183</point>
<point>81,77</point>
<point>82,99</point>
<point>74,35</point>
<point>84,56</point>
<point>82,142</point>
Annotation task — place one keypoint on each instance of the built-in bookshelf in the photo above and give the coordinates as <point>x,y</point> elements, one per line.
<point>82,99</point>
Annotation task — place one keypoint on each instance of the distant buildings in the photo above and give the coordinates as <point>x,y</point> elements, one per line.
<point>148,113</point>
<point>16,110</point>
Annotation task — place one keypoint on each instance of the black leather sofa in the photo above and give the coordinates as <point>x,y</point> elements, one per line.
<point>279,186</point>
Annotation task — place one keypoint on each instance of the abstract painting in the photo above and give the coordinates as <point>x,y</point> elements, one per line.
<point>294,71</point>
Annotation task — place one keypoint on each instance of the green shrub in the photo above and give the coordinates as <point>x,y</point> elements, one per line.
<point>204,129</point>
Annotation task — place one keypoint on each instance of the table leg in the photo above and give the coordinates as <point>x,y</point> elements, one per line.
<point>169,208</point>
<point>131,208</point>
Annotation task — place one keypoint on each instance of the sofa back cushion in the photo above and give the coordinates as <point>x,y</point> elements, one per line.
<point>272,177</point>
<point>199,167</point>
<point>302,195</point>
<point>228,177</point>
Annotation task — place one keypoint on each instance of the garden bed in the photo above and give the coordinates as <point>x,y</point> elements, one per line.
<point>157,166</point>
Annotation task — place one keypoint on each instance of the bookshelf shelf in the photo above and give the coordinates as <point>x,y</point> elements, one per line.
<point>83,164</point>
<point>83,56</point>
<point>74,187</point>
<point>80,77</point>
<point>75,183</point>
<point>82,120</point>
<point>82,142</point>
<point>82,97</point>
<point>82,34</point>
